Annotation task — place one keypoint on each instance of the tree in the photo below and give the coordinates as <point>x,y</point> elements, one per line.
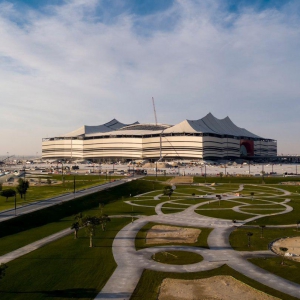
<point>49,181</point>
<point>283,251</point>
<point>3,267</point>
<point>103,220</point>
<point>90,224</point>
<point>8,193</point>
<point>249,234</point>
<point>219,197</point>
<point>221,175</point>
<point>22,187</point>
<point>168,191</point>
<point>252,194</point>
<point>76,227</point>
<point>262,230</point>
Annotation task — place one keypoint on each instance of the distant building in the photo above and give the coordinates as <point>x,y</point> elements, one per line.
<point>206,138</point>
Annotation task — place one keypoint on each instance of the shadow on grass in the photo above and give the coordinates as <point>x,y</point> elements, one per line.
<point>68,293</point>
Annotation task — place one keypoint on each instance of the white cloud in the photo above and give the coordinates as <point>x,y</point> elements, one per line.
<point>63,67</point>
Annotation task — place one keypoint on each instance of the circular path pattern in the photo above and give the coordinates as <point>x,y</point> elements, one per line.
<point>131,263</point>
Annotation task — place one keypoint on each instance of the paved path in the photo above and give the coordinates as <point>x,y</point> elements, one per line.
<point>33,246</point>
<point>131,263</point>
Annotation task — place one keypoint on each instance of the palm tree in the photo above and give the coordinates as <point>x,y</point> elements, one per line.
<point>103,220</point>
<point>298,225</point>
<point>77,224</point>
<point>283,251</point>
<point>76,227</point>
<point>249,234</point>
<point>262,230</point>
<point>90,223</point>
<point>168,191</point>
<point>3,267</point>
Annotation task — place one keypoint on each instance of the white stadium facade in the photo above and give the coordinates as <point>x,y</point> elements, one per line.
<point>206,138</point>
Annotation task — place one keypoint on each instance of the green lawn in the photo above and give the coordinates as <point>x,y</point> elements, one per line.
<point>158,178</point>
<point>167,210</point>
<point>245,180</point>
<point>20,231</point>
<point>223,214</point>
<point>141,236</point>
<point>36,192</point>
<point>219,204</point>
<point>149,284</point>
<point>64,269</point>
<point>177,257</point>
<point>290,218</point>
<point>239,241</point>
<point>290,269</point>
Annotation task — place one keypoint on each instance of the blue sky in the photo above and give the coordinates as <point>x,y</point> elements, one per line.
<point>68,63</point>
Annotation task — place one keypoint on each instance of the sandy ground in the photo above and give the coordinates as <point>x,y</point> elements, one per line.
<point>214,288</point>
<point>182,179</point>
<point>292,244</point>
<point>163,234</point>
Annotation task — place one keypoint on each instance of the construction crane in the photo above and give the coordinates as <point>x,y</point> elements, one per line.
<point>2,162</point>
<point>160,139</point>
<point>154,111</point>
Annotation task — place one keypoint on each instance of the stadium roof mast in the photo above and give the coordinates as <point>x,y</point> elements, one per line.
<point>154,111</point>
<point>160,142</point>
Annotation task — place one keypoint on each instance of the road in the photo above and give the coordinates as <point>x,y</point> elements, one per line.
<point>11,213</point>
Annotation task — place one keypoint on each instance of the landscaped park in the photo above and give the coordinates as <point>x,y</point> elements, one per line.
<point>165,238</point>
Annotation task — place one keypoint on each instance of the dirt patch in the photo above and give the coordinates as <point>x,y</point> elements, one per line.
<point>159,165</point>
<point>181,179</point>
<point>292,244</point>
<point>214,288</point>
<point>163,234</point>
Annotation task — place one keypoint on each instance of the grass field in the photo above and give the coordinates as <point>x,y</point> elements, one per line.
<point>289,271</point>
<point>243,179</point>
<point>239,240</point>
<point>70,269</point>
<point>64,269</point>
<point>36,192</point>
<point>223,214</point>
<point>18,232</point>
<point>177,257</point>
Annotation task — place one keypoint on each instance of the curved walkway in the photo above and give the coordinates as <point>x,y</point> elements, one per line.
<point>131,263</point>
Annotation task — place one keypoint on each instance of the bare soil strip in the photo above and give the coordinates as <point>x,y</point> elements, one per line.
<point>214,288</point>
<point>163,234</point>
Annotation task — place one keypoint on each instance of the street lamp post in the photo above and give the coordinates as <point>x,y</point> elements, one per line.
<point>62,172</point>
<point>205,172</point>
<point>74,185</point>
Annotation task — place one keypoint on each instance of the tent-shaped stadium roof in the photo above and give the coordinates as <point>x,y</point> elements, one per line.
<point>208,124</point>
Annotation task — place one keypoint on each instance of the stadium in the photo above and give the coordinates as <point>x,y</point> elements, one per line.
<point>206,138</point>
